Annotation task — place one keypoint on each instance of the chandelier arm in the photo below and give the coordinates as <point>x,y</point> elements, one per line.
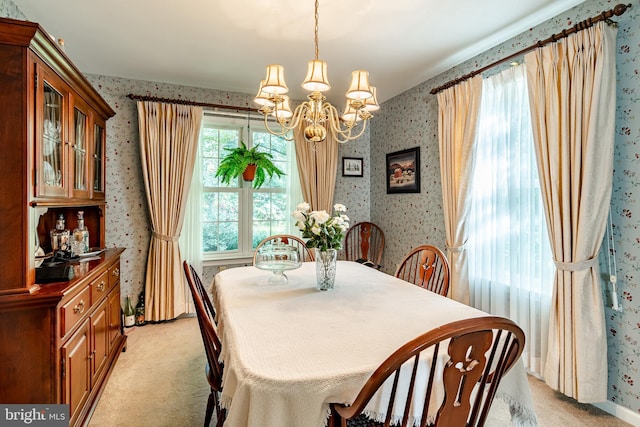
<point>349,136</point>
<point>280,133</point>
<point>342,135</point>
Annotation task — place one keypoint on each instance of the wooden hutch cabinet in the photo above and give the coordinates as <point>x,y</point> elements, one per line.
<point>59,341</point>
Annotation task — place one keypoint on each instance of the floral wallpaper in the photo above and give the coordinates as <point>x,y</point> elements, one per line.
<point>411,119</point>
<point>8,9</point>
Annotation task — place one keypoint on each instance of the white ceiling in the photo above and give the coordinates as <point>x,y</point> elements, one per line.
<point>227,44</point>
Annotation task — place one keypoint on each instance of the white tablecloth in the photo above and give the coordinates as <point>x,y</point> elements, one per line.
<point>290,350</point>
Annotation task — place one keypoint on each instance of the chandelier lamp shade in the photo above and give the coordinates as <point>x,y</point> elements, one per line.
<point>316,115</point>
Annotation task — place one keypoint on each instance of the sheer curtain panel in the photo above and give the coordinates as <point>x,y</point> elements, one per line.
<point>510,261</point>
<point>572,96</point>
<point>457,125</point>
<point>168,143</point>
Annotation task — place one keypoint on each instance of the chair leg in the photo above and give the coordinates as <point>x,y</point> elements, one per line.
<point>221,413</point>
<point>335,420</point>
<point>210,404</point>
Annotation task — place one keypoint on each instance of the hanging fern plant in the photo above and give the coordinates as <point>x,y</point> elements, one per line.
<point>236,162</point>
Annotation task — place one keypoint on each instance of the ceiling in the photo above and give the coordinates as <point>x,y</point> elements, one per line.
<point>227,44</point>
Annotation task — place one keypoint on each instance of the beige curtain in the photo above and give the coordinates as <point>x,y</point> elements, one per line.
<point>572,96</point>
<point>317,167</point>
<point>457,127</point>
<point>168,143</point>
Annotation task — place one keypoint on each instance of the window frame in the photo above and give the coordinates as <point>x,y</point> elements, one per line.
<point>244,189</point>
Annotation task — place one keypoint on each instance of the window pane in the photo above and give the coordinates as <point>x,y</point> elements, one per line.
<point>209,141</point>
<point>228,209</point>
<point>277,147</point>
<point>270,215</point>
<point>210,207</point>
<point>209,168</point>
<point>220,221</point>
<point>213,144</point>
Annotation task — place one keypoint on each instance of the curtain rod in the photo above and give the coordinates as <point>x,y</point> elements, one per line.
<point>187,102</point>
<point>617,10</point>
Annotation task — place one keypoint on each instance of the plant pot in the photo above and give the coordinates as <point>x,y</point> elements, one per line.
<point>249,172</point>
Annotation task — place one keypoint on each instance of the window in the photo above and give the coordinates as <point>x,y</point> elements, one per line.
<point>510,261</point>
<point>233,218</point>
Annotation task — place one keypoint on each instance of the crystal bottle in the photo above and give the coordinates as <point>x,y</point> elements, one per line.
<point>129,314</point>
<point>80,240</point>
<point>60,236</point>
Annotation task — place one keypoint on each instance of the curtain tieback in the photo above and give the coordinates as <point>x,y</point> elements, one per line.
<point>165,238</point>
<point>456,248</point>
<point>576,266</point>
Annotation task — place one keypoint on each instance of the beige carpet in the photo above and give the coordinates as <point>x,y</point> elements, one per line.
<point>159,381</point>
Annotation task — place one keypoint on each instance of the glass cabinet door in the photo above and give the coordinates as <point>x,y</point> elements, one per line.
<point>52,145</point>
<point>79,161</point>
<point>51,133</point>
<point>98,159</point>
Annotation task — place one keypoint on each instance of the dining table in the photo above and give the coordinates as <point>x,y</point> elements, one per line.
<point>290,350</point>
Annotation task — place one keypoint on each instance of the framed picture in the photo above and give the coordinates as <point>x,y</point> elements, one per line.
<point>352,166</point>
<point>403,171</point>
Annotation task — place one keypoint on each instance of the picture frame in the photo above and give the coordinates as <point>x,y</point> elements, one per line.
<point>403,171</point>
<point>352,166</point>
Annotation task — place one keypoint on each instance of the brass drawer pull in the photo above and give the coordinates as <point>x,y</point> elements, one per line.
<point>100,287</point>
<point>79,308</point>
<point>116,272</point>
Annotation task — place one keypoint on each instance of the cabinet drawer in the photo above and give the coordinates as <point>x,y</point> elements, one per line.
<point>74,310</point>
<point>99,288</point>
<point>114,274</point>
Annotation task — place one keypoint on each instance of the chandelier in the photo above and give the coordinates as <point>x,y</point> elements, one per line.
<point>316,115</point>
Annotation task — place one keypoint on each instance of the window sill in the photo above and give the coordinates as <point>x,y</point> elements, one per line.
<point>227,261</point>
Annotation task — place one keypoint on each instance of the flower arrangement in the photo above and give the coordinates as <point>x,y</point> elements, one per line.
<point>324,231</point>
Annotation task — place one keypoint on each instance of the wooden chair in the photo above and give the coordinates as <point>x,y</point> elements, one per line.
<point>427,267</point>
<point>212,346</point>
<point>478,352</point>
<point>364,243</point>
<point>305,253</point>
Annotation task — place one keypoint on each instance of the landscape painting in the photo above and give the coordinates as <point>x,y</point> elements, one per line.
<point>403,171</point>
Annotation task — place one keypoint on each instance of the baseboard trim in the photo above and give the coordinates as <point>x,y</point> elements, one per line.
<point>620,412</point>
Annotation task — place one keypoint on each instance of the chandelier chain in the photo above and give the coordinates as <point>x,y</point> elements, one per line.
<point>315,16</point>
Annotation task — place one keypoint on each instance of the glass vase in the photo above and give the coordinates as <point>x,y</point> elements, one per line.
<point>326,268</point>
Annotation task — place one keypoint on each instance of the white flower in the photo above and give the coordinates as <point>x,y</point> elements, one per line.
<point>321,229</point>
<point>320,216</point>
<point>303,207</point>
